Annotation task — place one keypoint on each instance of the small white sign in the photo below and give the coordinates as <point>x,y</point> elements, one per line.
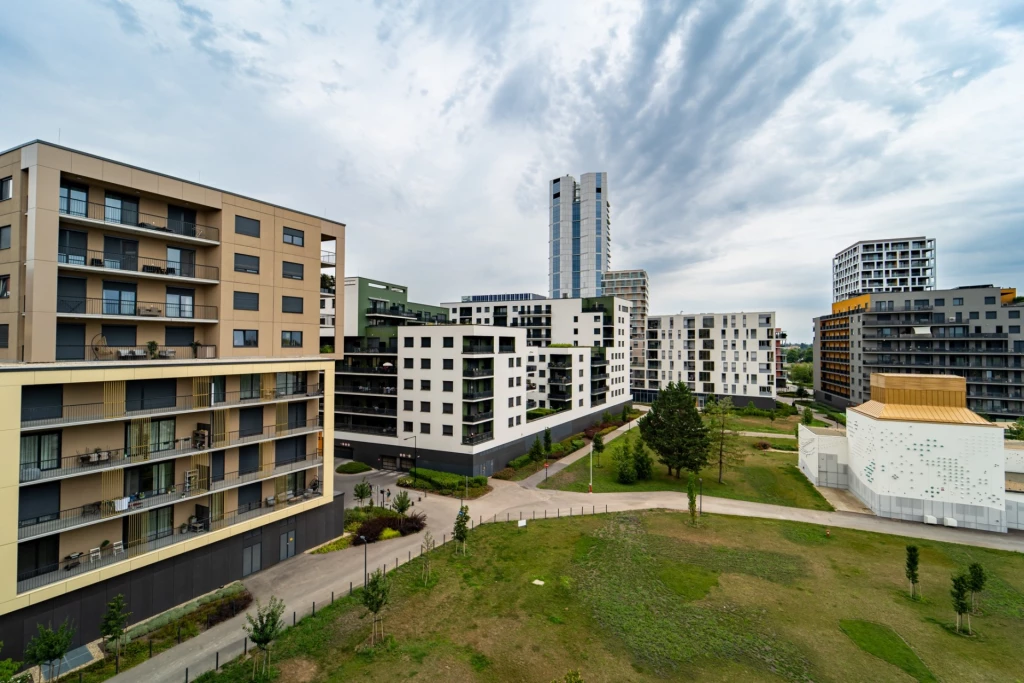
<point>522,522</point>
<point>538,582</point>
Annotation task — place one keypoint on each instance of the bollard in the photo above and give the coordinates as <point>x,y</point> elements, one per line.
<point>591,510</point>
<point>520,514</point>
<point>151,649</point>
<point>385,569</point>
<point>245,646</point>
<point>443,539</point>
<point>332,597</point>
<point>79,676</point>
<point>314,608</point>
<point>396,563</point>
<point>350,588</point>
<point>186,674</point>
<point>558,513</point>
<point>506,516</point>
<point>606,509</point>
<point>410,557</point>
<point>545,513</point>
<point>293,618</point>
<point>216,663</point>
<point>535,514</point>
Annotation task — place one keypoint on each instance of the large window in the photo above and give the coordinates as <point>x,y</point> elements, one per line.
<point>291,271</point>
<point>180,303</point>
<point>41,451</point>
<point>5,336</point>
<point>250,386</point>
<point>246,338</point>
<point>74,200</point>
<point>5,286</point>
<point>293,236</point>
<point>247,264</point>
<point>5,237</point>
<point>122,210</point>
<point>181,262</point>
<point>291,304</point>
<point>160,437</point>
<point>6,188</point>
<point>291,339</point>
<point>154,479</point>
<point>118,298</point>
<point>290,383</point>
<point>247,301</point>
<point>247,226</point>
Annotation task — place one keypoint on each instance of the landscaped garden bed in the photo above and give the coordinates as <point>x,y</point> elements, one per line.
<point>445,483</point>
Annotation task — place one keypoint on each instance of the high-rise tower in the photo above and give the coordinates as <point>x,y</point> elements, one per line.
<point>579,235</point>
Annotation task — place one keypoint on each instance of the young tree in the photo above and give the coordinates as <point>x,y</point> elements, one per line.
<point>536,451</point>
<point>402,503</point>
<point>8,668</point>
<point>801,392</point>
<point>976,579</point>
<point>624,417</point>
<point>362,491</point>
<point>625,466</point>
<point>425,548</point>
<point>606,418</point>
<point>960,603</point>
<point>263,629</point>
<point>691,497</point>
<point>723,441</point>
<point>375,598</point>
<point>675,431</point>
<point>1016,430</point>
<point>115,621</point>
<point>642,462</point>
<point>598,447</point>
<point>547,439</point>
<point>808,417</point>
<point>461,531</point>
<point>48,647</point>
<point>911,570</point>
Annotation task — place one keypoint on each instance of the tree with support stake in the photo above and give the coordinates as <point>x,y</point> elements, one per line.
<point>362,491</point>
<point>263,629</point>
<point>961,604</point>
<point>114,622</point>
<point>913,559</point>
<point>425,548</point>
<point>722,439</point>
<point>375,598</point>
<point>461,531</point>
<point>597,447</point>
<point>547,439</point>
<point>691,496</point>
<point>49,646</point>
<point>976,582</point>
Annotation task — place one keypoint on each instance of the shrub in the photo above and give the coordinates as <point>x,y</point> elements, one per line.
<point>412,523</point>
<point>762,445</point>
<point>506,474</point>
<point>576,444</point>
<point>607,430</point>
<point>643,464</point>
<point>353,467</point>
<point>478,481</point>
<point>389,533</point>
<point>557,451</point>
<point>371,529</point>
<point>520,462</point>
<point>233,594</point>
<point>625,468</point>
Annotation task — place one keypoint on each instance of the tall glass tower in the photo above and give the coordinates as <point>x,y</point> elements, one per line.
<point>579,235</point>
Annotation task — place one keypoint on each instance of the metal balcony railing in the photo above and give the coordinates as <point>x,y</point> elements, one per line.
<point>476,395</point>
<point>77,208</point>
<point>478,417</point>
<point>478,372</point>
<point>383,430</point>
<point>134,263</point>
<point>105,352</point>
<point>471,440</point>
<point>131,308</point>
<point>328,258</point>
<point>366,410</point>
<point>350,369</point>
<point>390,312</point>
<point>366,389</point>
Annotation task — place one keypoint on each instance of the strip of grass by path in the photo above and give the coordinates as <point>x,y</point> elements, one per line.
<point>647,597</point>
<point>762,477</point>
<point>884,643</point>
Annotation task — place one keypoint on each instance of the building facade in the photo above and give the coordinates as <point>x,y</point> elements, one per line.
<point>634,286</point>
<point>160,364</point>
<point>579,235</point>
<point>877,266</point>
<point>972,332</point>
<point>716,355</point>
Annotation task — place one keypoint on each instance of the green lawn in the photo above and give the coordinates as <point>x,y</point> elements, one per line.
<point>786,425</point>
<point>647,597</point>
<point>762,477</point>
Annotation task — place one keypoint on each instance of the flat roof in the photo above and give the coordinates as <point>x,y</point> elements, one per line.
<point>916,413</point>
<point>165,175</point>
<point>825,431</point>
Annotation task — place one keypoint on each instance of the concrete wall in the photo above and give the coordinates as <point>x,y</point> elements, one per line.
<point>823,459</point>
<point>1014,510</point>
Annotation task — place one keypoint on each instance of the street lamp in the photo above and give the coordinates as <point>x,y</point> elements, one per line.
<point>591,469</point>
<point>366,575</point>
<point>415,453</point>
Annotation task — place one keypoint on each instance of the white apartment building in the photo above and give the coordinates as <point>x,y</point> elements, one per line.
<point>634,286</point>
<point>327,315</point>
<point>579,235</point>
<point>716,355</point>
<point>906,264</point>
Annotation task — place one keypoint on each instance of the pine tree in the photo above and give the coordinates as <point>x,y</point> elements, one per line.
<point>808,417</point>
<point>547,439</point>
<point>675,431</point>
<point>625,465</point>
<point>624,417</point>
<point>642,462</point>
<point>911,570</point>
<point>536,450</point>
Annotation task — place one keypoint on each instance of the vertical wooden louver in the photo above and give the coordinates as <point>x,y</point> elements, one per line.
<point>268,385</point>
<point>113,399</point>
<point>111,489</point>
<point>201,392</point>
<point>139,439</point>
<point>266,456</point>
<point>199,473</point>
<point>282,417</point>
<point>219,437</point>
<point>217,506</point>
<point>138,532</point>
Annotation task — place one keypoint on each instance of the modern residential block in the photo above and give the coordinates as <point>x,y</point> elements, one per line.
<point>579,235</point>
<point>633,286</point>
<point>875,266</point>
<point>716,355</point>
<point>160,361</point>
<point>971,332</point>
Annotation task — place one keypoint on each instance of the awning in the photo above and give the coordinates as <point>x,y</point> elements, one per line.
<point>922,330</point>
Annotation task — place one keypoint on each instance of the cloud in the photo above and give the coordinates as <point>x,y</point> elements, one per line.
<point>126,15</point>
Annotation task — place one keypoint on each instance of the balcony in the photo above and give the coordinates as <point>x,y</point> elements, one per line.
<point>356,370</point>
<point>366,389</point>
<point>114,458</point>
<point>561,365</point>
<point>560,395</point>
<point>477,395</point>
<point>596,361</point>
<point>562,380</point>
<point>135,222</point>
<point>88,260</point>
<point>80,562</point>
<point>83,413</point>
<point>506,348</point>
<point>371,349</point>
<point>472,440</point>
<point>374,430</point>
<point>366,410</point>
<point>478,417</point>
<point>390,313</point>
<point>598,401</point>
<point>119,309</point>
<point>478,372</point>
<point>158,352</point>
<point>478,348</point>
<point>328,258</point>
<point>104,510</point>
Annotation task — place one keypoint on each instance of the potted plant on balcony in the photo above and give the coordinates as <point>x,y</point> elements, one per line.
<point>195,348</point>
<point>104,544</point>
<point>152,347</point>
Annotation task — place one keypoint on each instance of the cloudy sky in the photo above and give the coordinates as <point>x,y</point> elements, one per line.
<point>745,143</point>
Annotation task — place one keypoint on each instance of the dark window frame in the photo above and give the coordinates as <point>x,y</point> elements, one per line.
<point>245,335</point>
<point>285,267</point>
<point>248,222</point>
<point>246,269</point>
<point>5,237</point>
<point>288,339</point>
<point>292,299</point>
<point>245,308</point>
<point>300,234</point>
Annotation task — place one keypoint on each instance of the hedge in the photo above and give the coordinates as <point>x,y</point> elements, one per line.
<point>445,482</point>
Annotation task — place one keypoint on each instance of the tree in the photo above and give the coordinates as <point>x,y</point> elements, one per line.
<point>536,451</point>
<point>1016,430</point>
<point>425,548</point>
<point>625,466</point>
<point>461,531</point>
<point>675,431</point>
<point>976,582</point>
<point>642,462</point>
<point>263,629</point>
<point>597,445</point>
<point>402,503</point>
<point>8,668</point>
<point>115,621</point>
<point>375,598</point>
<point>801,392</point>
<point>606,418</point>
<point>723,441</point>
<point>48,647</point>
<point>913,558</point>
<point>808,417</point>
<point>362,491</point>
<point>691,497</point>
<point>960,603</point>
<point>624,417</point>
<point>547,439</point>
<point>801,373</point>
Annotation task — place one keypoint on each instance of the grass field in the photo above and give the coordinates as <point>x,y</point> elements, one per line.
<point>784,425</point>
<point>647,597</point>
<point>763,477</point>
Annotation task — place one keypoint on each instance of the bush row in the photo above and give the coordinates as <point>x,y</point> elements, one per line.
<point>378,528</point>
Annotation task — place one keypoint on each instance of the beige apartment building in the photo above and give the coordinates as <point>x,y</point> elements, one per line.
<point>161,375</point>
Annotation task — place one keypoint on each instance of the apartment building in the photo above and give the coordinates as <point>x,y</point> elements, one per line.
<point>633,285</point>
<point>579,235</point>
<point>160,366</point>
<point>716,354</point>
<point>906,264</point>
<point>973,332</point>
<point>328,320</point>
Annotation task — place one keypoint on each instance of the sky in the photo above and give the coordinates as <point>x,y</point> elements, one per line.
<point>745,142</point>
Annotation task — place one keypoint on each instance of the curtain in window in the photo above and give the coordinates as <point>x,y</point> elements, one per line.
<point>41,450</point>
<point>161,435</point>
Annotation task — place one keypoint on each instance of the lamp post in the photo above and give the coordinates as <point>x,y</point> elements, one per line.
<point>415,453</point>
<point>591,469</point>
<point>366,576</point>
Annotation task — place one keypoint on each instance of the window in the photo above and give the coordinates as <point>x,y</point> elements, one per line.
<point>511,362</point>
<point>1015,314</point>
<point>407,363</point>
<point>424,428</point>
<point>1014,329</point>
<point>511,402</point>
<point>41,451</point>
<point>447,386</point>
<point>446,430</point>
<point>424,363</point>
<point>291,339</point>
<point>448,364</point>
<point>425,385</point>
<point>519,419</point>
<point>5,286</point>
<point>447,408</point>
<point>247,264</point>
<point>511,382</point>
<point>448,342</point>
<point>974,315</point>
<point>246,338</point>
<point>291,271</point>
<point>958,301</point>
<point>511,422</point>
<point>990,315</point>
<point>5,334</point>
<point>6,188</point>
<point>247,301</point>
<point>249,385</point>
<point>407,426</point>
<point>424,406</point>
<point>293,236</point>
<point>425,342</point>
<point>940,302</point>
<point>990,301</point>
<point>408,342</point>
<point>291,304</point>
<point>407,405</point>
<point>407,384</point>
<point>5,237</point>
<point>247,226</point>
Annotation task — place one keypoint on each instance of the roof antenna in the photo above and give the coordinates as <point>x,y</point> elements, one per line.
<point>58,136</point>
